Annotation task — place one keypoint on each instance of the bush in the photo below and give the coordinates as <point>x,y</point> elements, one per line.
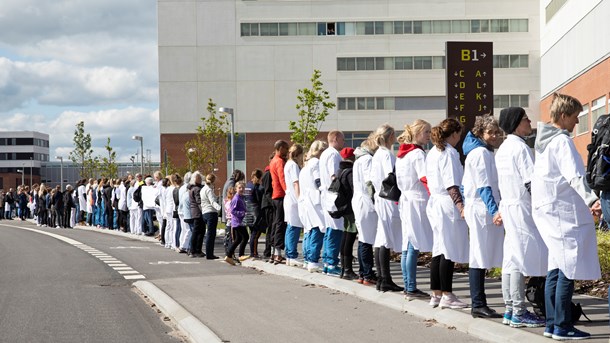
<point>603,250</point>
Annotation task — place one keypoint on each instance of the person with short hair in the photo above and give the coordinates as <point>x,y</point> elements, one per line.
<point>198,227</point>
<point>294,225</point>
<point>563,204</point>
<point>278,181</point>
<point>209,214</point>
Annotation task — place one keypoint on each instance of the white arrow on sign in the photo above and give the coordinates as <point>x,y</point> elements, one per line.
<point>483,55</point>
<point>121,247</point>
<point>455,74</point>
<point>484,96</point>
<point>484,73</point>
<point>455,96</point>
<point>173,262</point>
<point>455,85</point>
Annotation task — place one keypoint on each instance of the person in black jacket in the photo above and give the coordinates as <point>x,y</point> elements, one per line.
<point>68,201</point>
<point>267,210</point>
<point>349,221</point>
<point>58,204</point>
<point>194,189</point>
<point>254,220</point>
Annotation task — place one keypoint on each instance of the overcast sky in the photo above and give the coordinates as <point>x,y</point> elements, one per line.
<point>64,61</point>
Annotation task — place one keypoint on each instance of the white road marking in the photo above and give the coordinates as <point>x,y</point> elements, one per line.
<point>117,265</point>
<point>173,262</point>
<point>121,247</point>
<point>123,272</point>
<point>134,277</point>
<point>122,268</point>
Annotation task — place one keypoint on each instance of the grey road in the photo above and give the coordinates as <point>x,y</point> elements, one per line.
<point>238,304</point>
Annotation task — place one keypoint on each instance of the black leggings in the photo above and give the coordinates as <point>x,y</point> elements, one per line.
<point>347,248</point>
<point>441,274</point>
<point>240,238</point>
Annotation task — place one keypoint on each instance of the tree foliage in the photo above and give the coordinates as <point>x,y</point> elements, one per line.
<point>81,155</point>
<point>108,166</point>
<point>313,105</point>
<point>209,145</point>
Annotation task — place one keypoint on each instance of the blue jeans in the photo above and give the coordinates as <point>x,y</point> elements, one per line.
<point>306,245</point>
<point>148,227</point>
<point>365,260</point>
<point>558,292</point>
<point>210,220</point>
<point>291,241</point>
<point>332,246</point>
<point>314,243</point>
<point>408,264</point>
<point>178,231</point>
<point>604,200</point>
<point>476,277</point>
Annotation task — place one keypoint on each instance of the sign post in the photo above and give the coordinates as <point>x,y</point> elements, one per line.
<point>469,81</point>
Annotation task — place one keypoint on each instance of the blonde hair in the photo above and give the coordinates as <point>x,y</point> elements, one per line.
<point>295,151</point>
<point>411,131</point>
<point>564,104</point>
<point>382,135</point>
<point>316,149</point>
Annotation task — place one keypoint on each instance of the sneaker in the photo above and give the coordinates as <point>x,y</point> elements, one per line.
<point>325,270</point>
<point>333,271</point>
<point>305,263</point>
<point>313,267</point>
<point>416,294</point>
<point>360,280</point>
<point>508,315</point>
<point>229,260</point>
<point>243,258</point>
<point>451,301</point>
<point>435,300</point>
<point>527,319</point>
<point>572,333</point>
<point>349,275</point>
<point>370,281</point>
<point>548,331</point>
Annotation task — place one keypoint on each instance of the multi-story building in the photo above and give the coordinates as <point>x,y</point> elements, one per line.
<point>575,59</point>
<point>381,61</point>
<point>21,155</point>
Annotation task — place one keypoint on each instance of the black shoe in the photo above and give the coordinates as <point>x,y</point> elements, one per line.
<point>212,257</point>
<point>349,275</point>
<point>389,286</point>
<point>484,312</point>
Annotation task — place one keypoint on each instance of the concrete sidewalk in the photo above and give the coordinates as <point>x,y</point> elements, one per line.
<point>491,330</point>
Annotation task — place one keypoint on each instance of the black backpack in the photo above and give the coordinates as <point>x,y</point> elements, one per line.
<point>534,292</point>
<point>340,186</point>
<point>137,194</point>
<point>598,159</point>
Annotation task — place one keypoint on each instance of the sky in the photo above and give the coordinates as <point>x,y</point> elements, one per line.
<point>66,61</point>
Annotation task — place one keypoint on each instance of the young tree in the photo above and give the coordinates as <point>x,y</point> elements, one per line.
<point>108,166</point>
<point>313,105</point>
<point>209,145</point>
<point>81,155</point>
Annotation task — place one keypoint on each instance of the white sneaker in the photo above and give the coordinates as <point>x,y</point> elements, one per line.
<point>305,263</point>
<point>434,300</point>
<point>451,301</point>
<point>313,267</point>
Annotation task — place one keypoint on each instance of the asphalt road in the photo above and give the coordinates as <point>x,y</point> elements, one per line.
<point>238,304</point>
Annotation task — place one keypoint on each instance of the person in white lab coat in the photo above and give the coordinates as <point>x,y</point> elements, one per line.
<point>412,182</point>
<point>481,209</point>
<point>329,169</point>
<point>561,199</point>
<point>291,202</point>
<point>389,232</point>
<point>310,208</point>
<point>524,251</point>
<point>445,212</point>
<point>364,210</point>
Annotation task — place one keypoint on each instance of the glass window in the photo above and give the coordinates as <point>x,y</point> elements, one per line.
<point>288,29</point>
<point>269,29</point>
<point>408,27</point>
<point>307,29</point>
<point>360,26</point>
<point>379,63</point>
<point>369,27</point>
<point>379,28</point>
<point>501,61</point>
<point>341,29</point>
<point>330,29</point>
<point>598,107</point>
<point>499,25</point>
<point>388,63</point>
<point>501,101</point>
<point>583,121</point>
<point>350,64</point>
<point>524,100</point>
<point>441,26</point>
<point>341,104</point>
<point>518,25</point>
<point>438,62</point>
<point>370,63</point>
<point>341,63</point>
<point>245,29</point>
<point>351,103</point>
<point>422,62</point>
<point>388,103</point>
<point>422,27</point>
<point>460,26</point>
<point>399,27</point>
<point>515,61</point>
<point>403,63</point>
<point>360,63</point>
<point>254,30</point>
<point>350,29</point>
<point>370,103</point>
<point>380,103</point>
<point>321,29</point>
<point>361,103</point>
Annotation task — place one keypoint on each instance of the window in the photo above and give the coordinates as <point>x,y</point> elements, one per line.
<point>498,25</point>
<point>330,29</point>
<point>269,29</point>
<point>245,29</point>
<point>369,28</point>
<point>438,62</point>
<point>422,27</point>
<point>399,27</point>
<point>501,61</point>
<point>598,107</point>
<point>365,63</point>
<point>477,26</point>
<point>306,29</point>
<point>518,25</point>
<point>583,121</point>
<point>341,104</point>
<point>341,29</point>
<point>240,147</point>
<point>403,63</point>
<point>351,103</point>
<point>520,100</point>
<point>361,103</point>
<point>341,64</point>
<point>501,101</point>
<point>379,28</point>
<point>460,26</point>
<point>288,29</point>
<point>441,26</point>
<point>370,103</point>
<point>380,63</point>
<point>422,62</point>
<point>321,29</point>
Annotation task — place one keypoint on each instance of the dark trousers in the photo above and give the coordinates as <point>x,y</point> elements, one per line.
<point>123,219</point>
<point>197,236</point>
<point>67,215</point>
<point>476,276</point>
<point>365,260</point>
<point>149,227</point>
<point>59,217</point>
<point>254,236</point>
<point>240,239</point>
<point>347,248</point>
<point>162,234</point>
<point>279,225</point>
<point>268,213</point>
<point>558,292</point>
<point>210,220</point>
<point>441,274</point>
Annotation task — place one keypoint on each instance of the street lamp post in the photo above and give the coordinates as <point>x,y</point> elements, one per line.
<point>31,167</point>
<point>141,139</point>
<point>22,178</point>
<point>229,111</point>
<point>61,171</point>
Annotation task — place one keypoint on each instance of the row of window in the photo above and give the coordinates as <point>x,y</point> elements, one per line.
<point>419,62</point>
<point>24,141</point>
<point>23,156</point>
<point>598,107</point>
<point>415,103</point>
<point>356,28</point>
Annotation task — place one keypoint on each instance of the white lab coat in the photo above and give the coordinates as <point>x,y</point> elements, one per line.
<point>122,205</point>
<point>416,228</point>
<point>291,202</point>
<point>560,213</point>
<point>443,170</point>
<point>486,239</point>
<point>524,250</point>
<point>329,166</point>
<point>310,207</point>
<point>362,204</point>
<point>82,198</point>
<point>389,231</point>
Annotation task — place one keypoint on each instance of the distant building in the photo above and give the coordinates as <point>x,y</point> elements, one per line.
<point>21,155</point>
<point>51,171</point>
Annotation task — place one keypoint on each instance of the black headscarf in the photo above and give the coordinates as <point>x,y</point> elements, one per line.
<point>510,118</point>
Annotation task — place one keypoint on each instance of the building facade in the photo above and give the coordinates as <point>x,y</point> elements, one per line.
<point>21,156</point>
<point>381,61</point>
